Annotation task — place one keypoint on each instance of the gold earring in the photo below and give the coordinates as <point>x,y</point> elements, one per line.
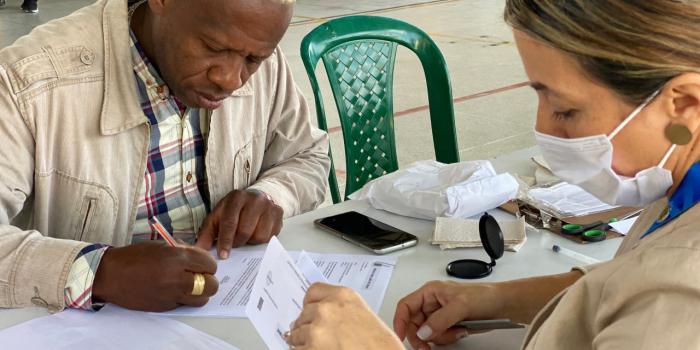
<point>678,134</point>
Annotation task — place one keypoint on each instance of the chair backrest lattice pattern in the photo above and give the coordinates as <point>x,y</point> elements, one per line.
<point>363,75</point>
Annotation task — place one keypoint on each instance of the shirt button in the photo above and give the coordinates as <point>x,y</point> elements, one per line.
<point>87,57</point>
<point>189,177</point>
<point>160,89</point>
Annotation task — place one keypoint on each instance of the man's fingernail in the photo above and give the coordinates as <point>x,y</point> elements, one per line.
<point>223,254</point>
<point>462,335</point>
<point>424,332</point>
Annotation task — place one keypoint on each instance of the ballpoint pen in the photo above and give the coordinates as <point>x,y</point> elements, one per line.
<point>163,232</point>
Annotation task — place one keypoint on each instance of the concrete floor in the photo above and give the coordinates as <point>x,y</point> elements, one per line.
<point>494,111</point>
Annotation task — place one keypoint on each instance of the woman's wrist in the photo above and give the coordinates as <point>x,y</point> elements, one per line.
<point>521,300</point>
<point>483,301</point>
<point>500,300</point>
<point>513,301</point>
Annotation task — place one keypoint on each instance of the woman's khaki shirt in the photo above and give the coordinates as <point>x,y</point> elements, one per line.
<point>648,297</point>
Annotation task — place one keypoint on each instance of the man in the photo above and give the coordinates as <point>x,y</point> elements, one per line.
<point>180,110</point>
<point>28,6</point>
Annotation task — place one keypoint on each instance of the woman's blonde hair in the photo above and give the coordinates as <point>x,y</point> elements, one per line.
<point>632,46</point>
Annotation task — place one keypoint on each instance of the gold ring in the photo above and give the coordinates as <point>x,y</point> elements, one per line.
<point>198,287</point>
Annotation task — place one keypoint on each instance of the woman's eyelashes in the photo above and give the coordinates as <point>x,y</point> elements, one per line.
<point>564,115</point>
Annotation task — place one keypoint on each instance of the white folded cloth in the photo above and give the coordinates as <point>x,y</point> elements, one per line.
<point>429,189</point>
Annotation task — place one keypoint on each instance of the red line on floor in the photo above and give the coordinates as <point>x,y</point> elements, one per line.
<point>491,92</point>
<point>456,100</point>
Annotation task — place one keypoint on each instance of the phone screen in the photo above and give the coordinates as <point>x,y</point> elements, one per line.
<point>366,231</point>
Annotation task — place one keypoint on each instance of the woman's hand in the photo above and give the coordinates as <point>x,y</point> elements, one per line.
<point>337,318</point>
<point>429,314</point>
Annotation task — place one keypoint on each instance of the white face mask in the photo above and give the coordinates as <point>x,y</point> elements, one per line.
<point>587,162</point>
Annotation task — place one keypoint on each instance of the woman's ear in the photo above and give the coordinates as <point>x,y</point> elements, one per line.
<point>682,100</point>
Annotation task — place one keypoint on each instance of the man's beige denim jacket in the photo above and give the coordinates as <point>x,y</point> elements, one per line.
<point>73,143</point>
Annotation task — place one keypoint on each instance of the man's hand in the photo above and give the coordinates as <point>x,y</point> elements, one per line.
<point>241,217</point>
<point>152,276</point>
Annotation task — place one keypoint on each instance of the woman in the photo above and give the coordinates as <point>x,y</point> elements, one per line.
<point>618,84</point>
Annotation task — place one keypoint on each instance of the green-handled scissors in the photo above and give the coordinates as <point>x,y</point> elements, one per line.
<point>594,232</point>
<point>576,230</point>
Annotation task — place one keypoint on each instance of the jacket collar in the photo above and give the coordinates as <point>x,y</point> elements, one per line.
<point>120,108</point>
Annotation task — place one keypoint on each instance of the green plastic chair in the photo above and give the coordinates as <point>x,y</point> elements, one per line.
<point>359,53</point>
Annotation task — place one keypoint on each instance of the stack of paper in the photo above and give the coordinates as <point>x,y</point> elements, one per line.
<point>369,275</point>
<point>277,296</point>
<point>267,286</point>
<point>453,233</point>
<point>567,200</point>
<point>111,328</point>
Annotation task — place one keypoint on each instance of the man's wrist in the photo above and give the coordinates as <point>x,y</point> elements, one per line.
<point>100,285</point>
<point>79,288</point>
<point>263,193</point>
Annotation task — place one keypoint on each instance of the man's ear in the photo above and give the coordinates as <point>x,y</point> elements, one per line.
<point>158,6</point>
<point>682,100</point>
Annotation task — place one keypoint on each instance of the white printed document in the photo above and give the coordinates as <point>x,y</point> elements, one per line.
<point>236,276</point>
<point>369,275</point>
<point>110,328</point>
<point>278,294</point>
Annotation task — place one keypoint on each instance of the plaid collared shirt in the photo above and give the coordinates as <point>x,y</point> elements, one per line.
<point>175,186</point>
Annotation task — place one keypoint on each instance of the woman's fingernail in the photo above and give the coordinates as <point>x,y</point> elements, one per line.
<point>223,254</point>
<point>424,332</point>
<point>462,335</point>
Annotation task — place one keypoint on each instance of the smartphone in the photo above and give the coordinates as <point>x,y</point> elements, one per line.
<point>488,325</point>
<point>366,232</point>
